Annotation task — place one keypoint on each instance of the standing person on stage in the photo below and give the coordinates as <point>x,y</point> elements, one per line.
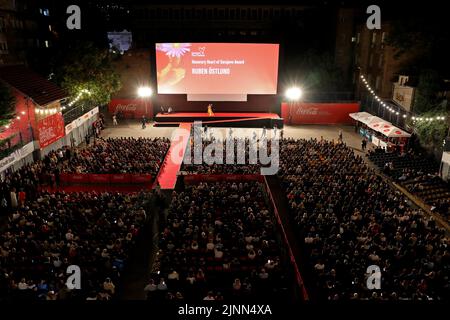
<point>210,110</point>
<point>114,120</point>
<point>144,121</point>
<point>340,139</point>
<point>230,133</point>
<point>263,135</point>
<point>275,131</point>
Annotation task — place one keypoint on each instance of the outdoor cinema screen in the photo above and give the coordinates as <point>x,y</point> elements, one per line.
<point>217,68</point>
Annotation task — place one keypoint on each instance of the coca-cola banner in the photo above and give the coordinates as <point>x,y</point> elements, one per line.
<point>317,113</point>
<point>50,129</point>
<point>131,108</point>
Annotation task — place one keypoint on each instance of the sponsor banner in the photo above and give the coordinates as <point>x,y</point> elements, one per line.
<point>197,178</point>
<point>79,121</point>
<point>376,141</point>
<point>70,127</point>
<point>79,178</point>
<point>50,129</point>
<point>105,178</point>
<point>318,113</point>
<point>131,108</point>
<point>16,156</point>
<point>99,178</point>
<point>141,178</point>
<point>120,178</point>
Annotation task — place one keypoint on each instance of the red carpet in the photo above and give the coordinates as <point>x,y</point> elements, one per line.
<point>167,176</point>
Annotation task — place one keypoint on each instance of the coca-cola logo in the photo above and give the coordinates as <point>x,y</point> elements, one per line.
<point>310,111</point>
<point>126,107</point>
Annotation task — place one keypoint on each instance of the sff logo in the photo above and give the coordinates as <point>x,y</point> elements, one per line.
<point>74,280</point>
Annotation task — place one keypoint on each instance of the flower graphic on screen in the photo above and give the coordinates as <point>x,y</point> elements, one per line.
<point>174,71</point>
<point>174,50</point>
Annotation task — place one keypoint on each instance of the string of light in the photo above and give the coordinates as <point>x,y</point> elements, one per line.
<point>50,111</point>
<point>392,110</point>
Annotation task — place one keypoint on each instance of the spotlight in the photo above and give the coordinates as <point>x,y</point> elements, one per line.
<point>294,93</point>
<point>144,92</point>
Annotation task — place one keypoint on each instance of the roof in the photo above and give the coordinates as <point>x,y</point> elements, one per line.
<point>31,84</point>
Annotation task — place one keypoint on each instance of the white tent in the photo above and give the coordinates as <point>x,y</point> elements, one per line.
<point>396,133</point>
<point>380,125</point>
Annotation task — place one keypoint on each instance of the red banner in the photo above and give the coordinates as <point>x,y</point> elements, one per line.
<point>197,178</point>
<point>141,178</point>
<point>50,129</point>
<point>79,178</point>
<point>99,178</point>
<point>120,178</point>
<point>104,178</point>
<point>131,108</point>
<point>318,113</point>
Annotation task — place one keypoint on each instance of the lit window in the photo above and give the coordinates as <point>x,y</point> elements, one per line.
<point>46,43</point>
<point>44,12</point>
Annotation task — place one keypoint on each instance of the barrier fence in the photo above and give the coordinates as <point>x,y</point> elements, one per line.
<point>93,178</point>
<point>196,178</point>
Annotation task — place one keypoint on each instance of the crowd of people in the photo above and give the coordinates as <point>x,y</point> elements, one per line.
<point>418,174</point>
<point>242,152</point>
<point>219,242</point>
<point>348,218</point>
<point>119,155</point>
<point>44,236</point>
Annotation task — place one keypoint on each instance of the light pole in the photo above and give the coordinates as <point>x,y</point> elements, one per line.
<point>293,94</point>
<point>144,93</point>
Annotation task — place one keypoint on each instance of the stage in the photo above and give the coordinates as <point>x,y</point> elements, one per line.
<point>220,119</point>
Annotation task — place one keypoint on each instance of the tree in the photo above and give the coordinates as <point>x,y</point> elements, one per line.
<point>426,98</point>
<point>7,105</point>
<point>431,134</point>
<point>85,71</point>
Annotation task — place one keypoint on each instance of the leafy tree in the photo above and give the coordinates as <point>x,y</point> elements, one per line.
<point>7,105</point>
<point>425,98</point>
<point>431,134</point>
<point>86,67</point>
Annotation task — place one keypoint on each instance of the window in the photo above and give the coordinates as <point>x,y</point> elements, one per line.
<point>374,38</point>
<point>44,12</point>
<point>377,83</point>
<point>49,28</point>
<point>46,43</point>
<point>357,37</point>
<point>383,37</point>
<point>380,61</point>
